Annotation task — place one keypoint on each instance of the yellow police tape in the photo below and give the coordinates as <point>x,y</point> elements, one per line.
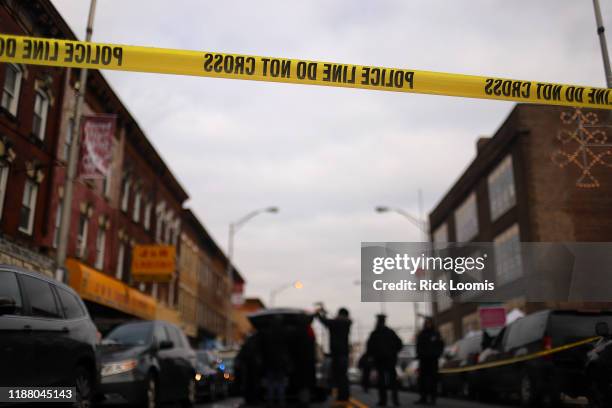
<point>519,359</point>
<point>77,54</point>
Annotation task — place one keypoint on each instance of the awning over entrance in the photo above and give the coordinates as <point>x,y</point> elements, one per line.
<point>108,291</point>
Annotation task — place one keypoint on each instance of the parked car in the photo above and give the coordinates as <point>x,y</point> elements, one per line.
<point>209,376</point>
<point>462,353</point>
<point>307,375</point>
<point>598,368</point>
<point>229,373</point>
<point>46,335</point>
<point>541,380</point>
<point>148,363</point>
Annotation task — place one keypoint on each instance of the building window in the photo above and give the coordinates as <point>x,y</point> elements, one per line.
<point>100,247</point>
<point>28,207</point>
<point>58,220</point>
<point>106,183</point>
<point>41,107</point>
<point>12,86</point>
<point>502,195</point>
<point>443,297</point>
<point>82,236</point>
<point>440,235</point>
<point>125,193</point>
<point>159,221</point>
<point>136,210</point>
<point>120,261</point>
<point>68,140</point>
<point>147,216</point>
<point>4,170</point>
<point>168,231</point>
<point>466,219</point>
<point>508,263</point>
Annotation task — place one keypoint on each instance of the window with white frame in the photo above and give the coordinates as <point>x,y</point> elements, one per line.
<point>68,140</point>
<point>125,193</point>
<point>100,248</point>
<point>4,171</point>
<point>136,209</point>
<point>502,195</point>
<point>159,221</point>
<point>120,261</point>
<point>175,232</point>
<point>169,227</point>
<point>28,207</point>
<point>440,235</point>
<point>58,220</point>
<point>147,215</point>
<point>508,262</point>
<point>466,219</point>
<point>443,298</point>
<point>41,108</point>
<point>81,243</point>
<point>11,88</point>
<point>106,183</point>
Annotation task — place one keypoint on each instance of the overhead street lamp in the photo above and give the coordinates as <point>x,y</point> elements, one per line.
<point>297,285</point>
<point>233,228</point>
<point>423,227</point>
<point>421,224</point>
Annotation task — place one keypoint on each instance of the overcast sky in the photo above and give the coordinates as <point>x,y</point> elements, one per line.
<point>327,156</point>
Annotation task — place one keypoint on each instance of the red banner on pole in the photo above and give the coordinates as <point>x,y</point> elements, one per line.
<point>96,145</point>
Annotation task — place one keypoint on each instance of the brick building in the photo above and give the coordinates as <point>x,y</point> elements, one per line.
<point>30,113</point>
<point>204,287</point>
<point>526,184</point>
<point>140,202</point>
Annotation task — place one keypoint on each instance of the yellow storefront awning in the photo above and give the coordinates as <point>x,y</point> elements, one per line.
<point>103,289</point>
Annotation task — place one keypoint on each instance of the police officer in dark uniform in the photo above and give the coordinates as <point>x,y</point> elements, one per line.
<point>339,329</point>
<point>383,346</point>
<point>429,349</point>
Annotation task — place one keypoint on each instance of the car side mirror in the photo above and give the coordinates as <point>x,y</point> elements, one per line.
<point>7,305</point>
<point>602,329</point>
<point>166,344</point>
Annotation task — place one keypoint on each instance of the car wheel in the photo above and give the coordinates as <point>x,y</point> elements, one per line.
<point>84,388</point>
<point>528,391</point>
<point>190,399</point>
<point>151,395</point>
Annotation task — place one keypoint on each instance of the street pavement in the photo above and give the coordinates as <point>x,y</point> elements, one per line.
<point>360,399</point>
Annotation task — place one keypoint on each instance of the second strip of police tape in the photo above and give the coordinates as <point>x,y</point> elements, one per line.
<point>519,359</point>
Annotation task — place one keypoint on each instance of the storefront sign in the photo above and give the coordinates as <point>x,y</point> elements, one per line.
<point>97,287</point>
<point>153,263</point>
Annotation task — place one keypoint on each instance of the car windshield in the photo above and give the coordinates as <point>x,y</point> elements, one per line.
<point>133,334</point>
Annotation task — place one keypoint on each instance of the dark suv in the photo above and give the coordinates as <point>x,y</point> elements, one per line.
<point>46,335</point>
<point>148,363</point>
<point>541,380</point>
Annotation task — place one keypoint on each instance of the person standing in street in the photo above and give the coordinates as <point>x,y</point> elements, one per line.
<point>429,349</point>
<point>383,346</point>
<point>339,329</point>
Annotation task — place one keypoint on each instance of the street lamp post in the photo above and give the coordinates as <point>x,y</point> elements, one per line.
<point>276,291</point>
<point>602,43</point>
<point>233,228</point>
<point>73,158</point>
<point>423,227</point>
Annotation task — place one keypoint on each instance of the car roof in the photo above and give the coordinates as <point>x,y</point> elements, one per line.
<point>22,271</point>
<point>277,311</point>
